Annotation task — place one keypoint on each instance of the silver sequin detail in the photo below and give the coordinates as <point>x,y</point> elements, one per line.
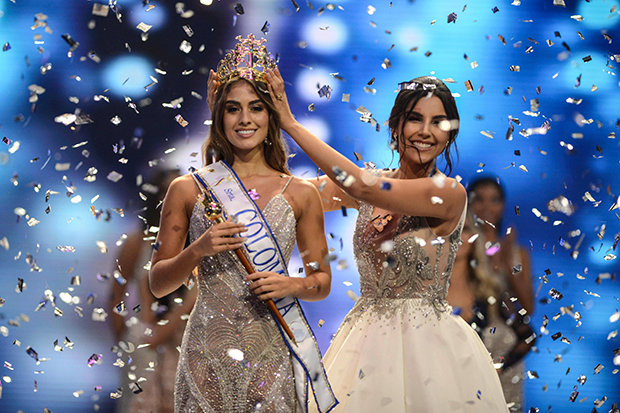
<point>418,267</point>
<point>228,317</point>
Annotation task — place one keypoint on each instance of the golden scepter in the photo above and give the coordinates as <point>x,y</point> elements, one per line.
<point>213,211</point>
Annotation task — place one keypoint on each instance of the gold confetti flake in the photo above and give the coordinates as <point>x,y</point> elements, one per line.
<point>181,121</point>
<point>144,27</point>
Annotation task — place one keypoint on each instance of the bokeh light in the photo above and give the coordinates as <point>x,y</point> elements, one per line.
<point>325,35</point>
<point>128,76</point>
<point>598,14</point>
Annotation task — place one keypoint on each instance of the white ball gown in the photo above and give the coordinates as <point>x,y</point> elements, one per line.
<point>400,349</point>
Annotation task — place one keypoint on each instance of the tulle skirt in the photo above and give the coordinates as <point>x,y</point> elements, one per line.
<point>402,355</point>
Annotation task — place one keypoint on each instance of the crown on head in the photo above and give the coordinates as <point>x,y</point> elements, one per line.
<point>248,60</point>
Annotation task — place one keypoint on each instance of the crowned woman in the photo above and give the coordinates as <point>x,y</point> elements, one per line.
<point>235,357</point>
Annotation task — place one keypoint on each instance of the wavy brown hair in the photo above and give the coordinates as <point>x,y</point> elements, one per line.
<point>406,101</point>
<point>217,147</point>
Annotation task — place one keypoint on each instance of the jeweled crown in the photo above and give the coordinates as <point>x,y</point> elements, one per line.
<point>248,59</point>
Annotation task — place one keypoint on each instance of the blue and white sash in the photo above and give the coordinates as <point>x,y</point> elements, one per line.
<point>262,249</point>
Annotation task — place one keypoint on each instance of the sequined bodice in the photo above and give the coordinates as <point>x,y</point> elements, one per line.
<point>233,358</point>
<point>404,260</point>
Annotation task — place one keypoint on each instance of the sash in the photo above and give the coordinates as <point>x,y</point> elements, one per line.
<point>221,182</point>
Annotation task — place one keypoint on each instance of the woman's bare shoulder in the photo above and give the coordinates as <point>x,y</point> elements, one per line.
<point>302,187</point>
<point>183,191</point>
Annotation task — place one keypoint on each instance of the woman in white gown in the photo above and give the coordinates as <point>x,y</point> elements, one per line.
<point>401,349</point>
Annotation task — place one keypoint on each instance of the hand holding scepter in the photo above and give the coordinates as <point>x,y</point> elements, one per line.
<point>213,211</point>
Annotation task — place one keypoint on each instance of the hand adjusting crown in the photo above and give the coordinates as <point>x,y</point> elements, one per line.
<point>248,60</point>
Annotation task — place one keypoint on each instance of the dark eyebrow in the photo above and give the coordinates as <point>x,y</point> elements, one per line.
<point>234,102</point>
<point>414,113</point>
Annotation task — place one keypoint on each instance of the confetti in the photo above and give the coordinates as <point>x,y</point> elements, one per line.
<point>254,194</point>
<point>143,27</point>
<point>185,47</point>
<point>351,295</point>
<point>181,121</point>
<point>100,9</point>
<point>239,9</point>
<point>114,176</point>
<point>95,359</point>
<point>325,91</point>
<point>555,294</point>
<point>265,28</point>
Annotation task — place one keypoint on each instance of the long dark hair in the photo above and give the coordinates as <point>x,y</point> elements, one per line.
<point>217,147</point>
<point>408,97</point>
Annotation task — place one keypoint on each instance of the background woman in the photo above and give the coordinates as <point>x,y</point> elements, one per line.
<point>138,318</point>
<point>493,287</point>
<point>400,349</point>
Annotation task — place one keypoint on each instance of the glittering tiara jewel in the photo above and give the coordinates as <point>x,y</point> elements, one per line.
<point>248,59</point>
<point>412,85</point>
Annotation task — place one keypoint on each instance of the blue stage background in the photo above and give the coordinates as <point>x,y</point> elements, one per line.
<point>562,88</point>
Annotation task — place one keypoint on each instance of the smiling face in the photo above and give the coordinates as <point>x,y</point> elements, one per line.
<point>246,118</point>
<point>424,133</point>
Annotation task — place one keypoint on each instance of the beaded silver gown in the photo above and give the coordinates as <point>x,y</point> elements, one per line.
<point>400,349</point>
<point>233,358</point>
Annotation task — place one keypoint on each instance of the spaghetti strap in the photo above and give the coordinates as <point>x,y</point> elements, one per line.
<point>286,185</point>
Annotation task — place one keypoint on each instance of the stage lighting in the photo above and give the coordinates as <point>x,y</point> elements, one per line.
<point>129,76</point>
<point>317,126</point>
<point>309,82</point>
<point>206,2</point>
<point>324,34</point>
<point>585,70</point>
<point>597,14</point>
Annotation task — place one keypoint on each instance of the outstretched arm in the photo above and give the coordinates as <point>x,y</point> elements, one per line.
<point>332,197</point>
<point>421,197</point>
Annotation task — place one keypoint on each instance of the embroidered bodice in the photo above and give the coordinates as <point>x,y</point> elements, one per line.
<point>404,260</point>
